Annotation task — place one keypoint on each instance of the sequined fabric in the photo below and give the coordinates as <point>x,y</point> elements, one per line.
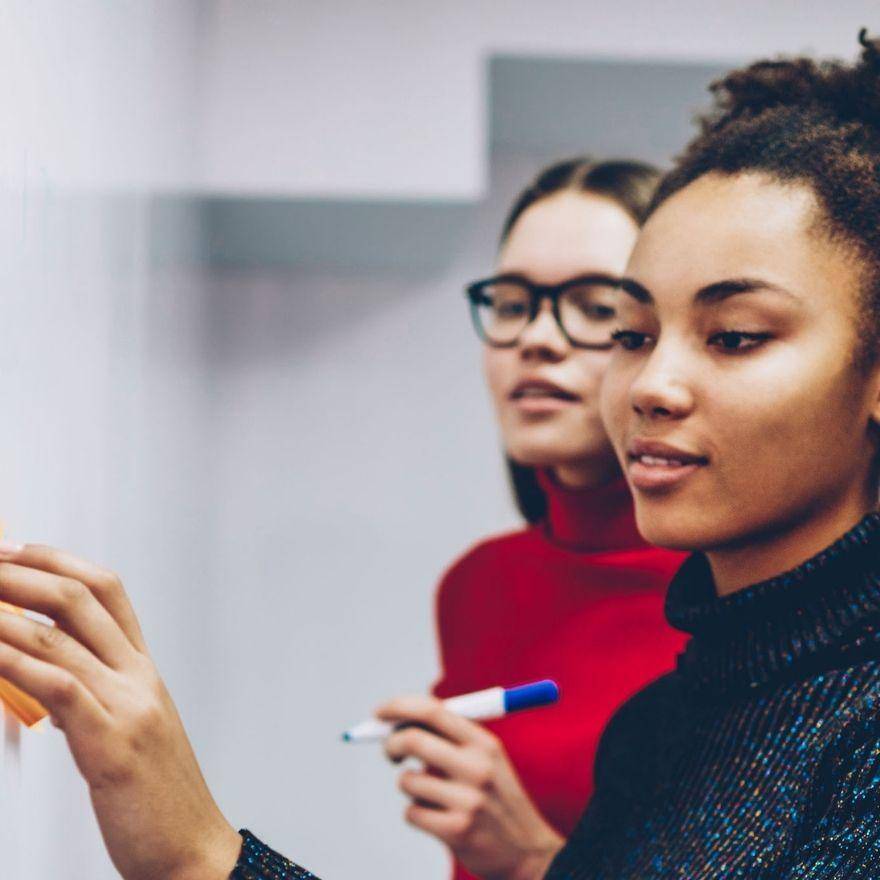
<point>258,862</point>
<point>759,757</point>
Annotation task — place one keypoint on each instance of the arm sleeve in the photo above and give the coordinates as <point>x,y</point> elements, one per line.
<point>843,838</point>
<point>258,862</point>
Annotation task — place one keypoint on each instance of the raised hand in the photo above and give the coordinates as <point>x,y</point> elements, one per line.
<point>93,673</point>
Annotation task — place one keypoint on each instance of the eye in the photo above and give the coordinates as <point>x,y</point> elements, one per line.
<point>737,341</point>
<point>599,312</point>
<point>510,309</point>
<point>630,339</point>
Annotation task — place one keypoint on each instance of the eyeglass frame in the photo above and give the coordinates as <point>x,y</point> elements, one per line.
<point>537,294</point>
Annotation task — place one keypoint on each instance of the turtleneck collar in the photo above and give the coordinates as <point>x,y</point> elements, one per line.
<point>810,618</point>
<point>587,520</point>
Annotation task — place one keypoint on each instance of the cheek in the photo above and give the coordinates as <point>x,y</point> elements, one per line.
<point>498,364</point>
<point>785,446</point>
<point>590,368</point>
<point>614,400</point>
<point>795,430</point>
<point>797,401</point>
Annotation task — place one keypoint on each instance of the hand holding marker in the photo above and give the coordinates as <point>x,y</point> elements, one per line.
<point>478,706</point>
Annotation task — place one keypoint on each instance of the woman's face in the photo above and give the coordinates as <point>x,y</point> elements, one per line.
<point>731,398</point>
<point>560,237</point>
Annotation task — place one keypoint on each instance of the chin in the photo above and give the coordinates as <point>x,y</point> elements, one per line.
<point>686,529</point>
<point>546,446</point>
<point>536,457</point>
<point>548,455</point>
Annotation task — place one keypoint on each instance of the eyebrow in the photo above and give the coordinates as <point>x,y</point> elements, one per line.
<point>711,294</point>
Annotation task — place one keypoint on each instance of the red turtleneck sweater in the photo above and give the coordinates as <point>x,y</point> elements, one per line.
<point>578,599</point>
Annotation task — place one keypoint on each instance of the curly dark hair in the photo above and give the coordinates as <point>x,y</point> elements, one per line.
<point>804,121</point>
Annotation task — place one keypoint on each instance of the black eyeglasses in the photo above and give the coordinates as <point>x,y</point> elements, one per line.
<point>584,308</point>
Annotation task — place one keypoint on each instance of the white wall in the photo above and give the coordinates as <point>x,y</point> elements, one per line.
<point>97,95</point>
<point>99,355</point>
<point>278,460</point>
<point>387,100</point>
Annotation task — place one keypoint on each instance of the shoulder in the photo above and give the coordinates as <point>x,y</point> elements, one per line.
<point>858,718</point>
<point>484,557</point>
<point>845,788</point>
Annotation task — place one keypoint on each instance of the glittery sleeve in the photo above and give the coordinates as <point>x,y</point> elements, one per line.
<point>258,862</point>
<point>843,841</point>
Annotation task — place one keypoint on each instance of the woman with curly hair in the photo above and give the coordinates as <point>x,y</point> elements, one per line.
<point>743,402</point>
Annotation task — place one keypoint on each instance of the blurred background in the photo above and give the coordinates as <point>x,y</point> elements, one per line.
<point>236,361</point>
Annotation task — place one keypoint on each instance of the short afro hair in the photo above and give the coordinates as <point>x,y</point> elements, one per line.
<point>798,120</point>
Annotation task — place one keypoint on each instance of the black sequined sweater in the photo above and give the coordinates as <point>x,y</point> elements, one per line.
<point>759,757</point>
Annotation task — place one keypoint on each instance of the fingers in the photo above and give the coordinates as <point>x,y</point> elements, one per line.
<point>430,712</point>
<point>68,701</point>
<point>440,793</point>
<point>464,763</point>
<point>53,646</point>
<point>446,825</point>
<point>104,585</point>
<point>71,605</point>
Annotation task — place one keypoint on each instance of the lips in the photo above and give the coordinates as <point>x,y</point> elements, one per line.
<point>654,465</point>
<point>541,389</point>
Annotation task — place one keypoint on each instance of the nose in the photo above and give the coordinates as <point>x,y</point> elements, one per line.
<point>542,337</point>
<point>663,388</point>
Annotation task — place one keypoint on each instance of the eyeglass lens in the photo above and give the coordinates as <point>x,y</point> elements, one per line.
<point>586,311</point>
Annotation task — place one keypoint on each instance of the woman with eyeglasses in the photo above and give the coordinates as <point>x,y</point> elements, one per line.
<point>577,595</point>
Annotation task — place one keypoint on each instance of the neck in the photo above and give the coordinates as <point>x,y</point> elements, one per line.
<point>755,559</point>
<point>585,474</point>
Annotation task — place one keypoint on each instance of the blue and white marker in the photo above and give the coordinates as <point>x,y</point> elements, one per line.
<point>478,706</point>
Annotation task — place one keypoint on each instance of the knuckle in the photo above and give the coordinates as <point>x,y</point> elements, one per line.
<point>10,662</point>
<point>152,680</point>
<point>71,592</point>
<point>460,827</point>
<point>477,803</point>
<point>483,775</point>
<point>493,746</point>
<point>148,716</point>
<point>111,583</point>
<point>62,693</point>
<point>433,715</point>
<point>49,639</point>
<point>144,727</point>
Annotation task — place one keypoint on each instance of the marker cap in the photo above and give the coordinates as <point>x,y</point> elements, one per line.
<point>528,696</point>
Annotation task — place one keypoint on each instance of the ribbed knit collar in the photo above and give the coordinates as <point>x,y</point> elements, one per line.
<point>590,520</point>
<point>807,619</point>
